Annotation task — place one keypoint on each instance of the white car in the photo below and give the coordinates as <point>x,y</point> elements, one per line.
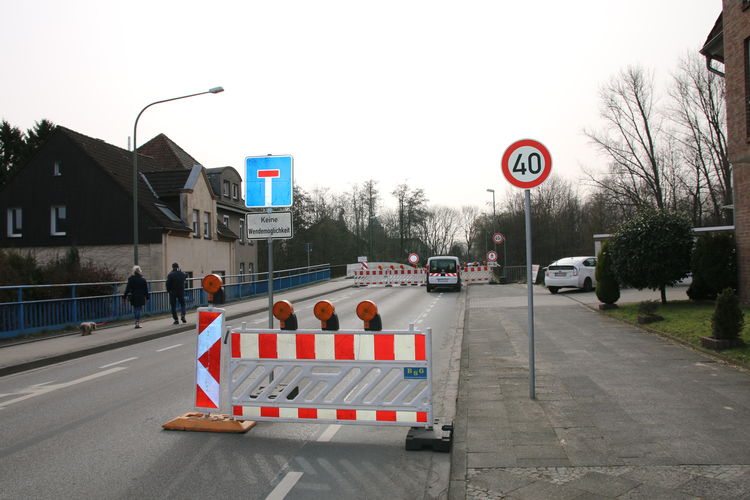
<point>571,272</point>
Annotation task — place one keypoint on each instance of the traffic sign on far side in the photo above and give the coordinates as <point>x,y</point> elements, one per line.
<point>268,181</point>
<point>526,163</point>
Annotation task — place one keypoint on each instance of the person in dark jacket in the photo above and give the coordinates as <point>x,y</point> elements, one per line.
<point>137,289</point>
<point>176,289</point>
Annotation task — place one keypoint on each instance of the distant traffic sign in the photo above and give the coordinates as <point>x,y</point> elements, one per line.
<point>268,181</point>
<point>498,237</point>
<point>413,258</point>
<point>492,256</point>
<point>526,163</point>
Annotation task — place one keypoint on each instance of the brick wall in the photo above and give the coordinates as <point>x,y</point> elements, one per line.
<point>736,30</point>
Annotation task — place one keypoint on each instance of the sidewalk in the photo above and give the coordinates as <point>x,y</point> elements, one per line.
<point>20,357</point>
<point>619,413</point>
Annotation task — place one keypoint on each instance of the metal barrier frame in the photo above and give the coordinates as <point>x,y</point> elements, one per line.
<point>280,389</point>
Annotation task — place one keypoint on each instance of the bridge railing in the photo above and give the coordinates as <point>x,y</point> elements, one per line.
<point>20,316</point>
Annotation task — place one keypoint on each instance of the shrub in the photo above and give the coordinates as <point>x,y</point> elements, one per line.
<point>728,319</point>
<point>648,307</point>
<point>607,286</point>
<point>714,266</point>
<point>652,250</point>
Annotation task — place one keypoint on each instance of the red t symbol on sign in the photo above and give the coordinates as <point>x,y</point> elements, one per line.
<point>268,175</point>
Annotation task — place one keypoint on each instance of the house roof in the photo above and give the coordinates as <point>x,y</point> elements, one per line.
<point>167,154</point>
<point>118,164</point>
<point>168,183</point>
<point>713,48</point>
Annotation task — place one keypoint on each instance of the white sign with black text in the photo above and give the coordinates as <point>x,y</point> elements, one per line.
<point>276,225</point>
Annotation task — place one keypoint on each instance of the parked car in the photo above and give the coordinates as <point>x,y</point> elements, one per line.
<point>571,272</point>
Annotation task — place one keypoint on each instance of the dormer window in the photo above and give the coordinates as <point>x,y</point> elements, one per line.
<point>225,190</point>
<point>235,191</point>
<point>57,169</point>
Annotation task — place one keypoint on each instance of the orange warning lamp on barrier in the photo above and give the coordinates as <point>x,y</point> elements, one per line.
<point>367,311</point>
<point>211,283</point>
<point>326,313</point>
<point>283,311</point>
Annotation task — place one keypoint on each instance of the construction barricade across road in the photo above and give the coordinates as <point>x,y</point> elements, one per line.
<point>389,274</point>
<point>353,377</point>
<point>368,377</point>
<point>476,274</point>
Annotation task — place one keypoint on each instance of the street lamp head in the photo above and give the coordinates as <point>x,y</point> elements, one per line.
<point>490,190</point>
<point>216,90</point>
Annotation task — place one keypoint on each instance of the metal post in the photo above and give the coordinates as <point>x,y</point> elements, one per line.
<point>270,279</point>
<point>530,286</point>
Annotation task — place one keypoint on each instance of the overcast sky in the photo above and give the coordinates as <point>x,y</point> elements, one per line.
<point>429,93</point>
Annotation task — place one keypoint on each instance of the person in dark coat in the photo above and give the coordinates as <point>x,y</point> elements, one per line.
<point>176,289</point>
<point>137,289</point>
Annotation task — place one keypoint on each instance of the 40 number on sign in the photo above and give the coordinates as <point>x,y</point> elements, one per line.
<point>526,163</point>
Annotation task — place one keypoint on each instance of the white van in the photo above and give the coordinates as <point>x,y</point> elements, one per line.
<point>443,271</point>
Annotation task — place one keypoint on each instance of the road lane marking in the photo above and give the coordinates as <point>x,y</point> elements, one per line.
<point>285,486</point>
<point>168,348</point>
<point>38,390</point>
<point>117,363</point>
<point>329,433</point>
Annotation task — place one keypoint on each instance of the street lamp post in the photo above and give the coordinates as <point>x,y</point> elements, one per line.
<point>493,218</point>
<point>214,90</point>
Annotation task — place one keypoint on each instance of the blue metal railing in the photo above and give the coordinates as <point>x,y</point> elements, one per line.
<point>22,317</point>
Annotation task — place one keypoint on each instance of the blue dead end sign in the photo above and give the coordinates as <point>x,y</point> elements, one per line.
<point>268,181</point>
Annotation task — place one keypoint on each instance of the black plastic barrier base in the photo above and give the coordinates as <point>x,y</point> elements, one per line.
<point>420,438</point>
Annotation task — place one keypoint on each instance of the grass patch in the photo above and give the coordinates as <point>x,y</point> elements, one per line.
<point>688,321</point>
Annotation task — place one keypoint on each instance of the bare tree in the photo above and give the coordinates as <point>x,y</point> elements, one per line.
<point>439,229</point>
<point>470,223</point>
<point>699,113</point>
<point>630,140</point>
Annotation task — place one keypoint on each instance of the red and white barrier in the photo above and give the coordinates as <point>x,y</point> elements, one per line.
<point>476,274</point>
<point>208,359</point>
<point>367,378</point>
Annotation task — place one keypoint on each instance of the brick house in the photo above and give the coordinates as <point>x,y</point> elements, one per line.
<point>728,44</point>
<point>77,191</point>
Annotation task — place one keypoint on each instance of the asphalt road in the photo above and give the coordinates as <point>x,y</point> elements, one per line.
<point>91,427</point>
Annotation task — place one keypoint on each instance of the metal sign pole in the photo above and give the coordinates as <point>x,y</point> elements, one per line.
<point>270,279</point>
<point>532,377</point>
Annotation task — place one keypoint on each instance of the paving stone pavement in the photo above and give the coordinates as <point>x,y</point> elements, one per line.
<point>619,412</point>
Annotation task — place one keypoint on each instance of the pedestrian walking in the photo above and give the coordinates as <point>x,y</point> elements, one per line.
<point>176,289</point>
<point>137,289</point>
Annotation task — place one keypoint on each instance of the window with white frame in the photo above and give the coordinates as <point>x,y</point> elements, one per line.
<point>235,191</point>
<point>207,225</point>
<point>225,190</point>
<point>242,231</point>
<point>57,169</point>
<point>15,222</point>
<point>226,221</point>
<point>57,219</point>
<point>196,223</point>
<point>242,272</point>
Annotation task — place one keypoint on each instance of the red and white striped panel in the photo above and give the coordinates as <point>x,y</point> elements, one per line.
<point>208,359</point>
<point>335,346</point>
<point>380,416</point>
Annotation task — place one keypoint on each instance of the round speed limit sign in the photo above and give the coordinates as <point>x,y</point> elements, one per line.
<point>413,258</point>
<point>526,163</point>
<point>498,237</point>
<point>492,256</point>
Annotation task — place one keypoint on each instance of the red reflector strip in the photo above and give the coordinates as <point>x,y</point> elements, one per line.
<point>305,346</point>
<point>346,414</point>
<point>307,413</point>
<point>266,411</point>
<point>344,346</point>
<point>236,348</point>
<point>269,173</point>
<point>267,346</point>
<point>384,347</point>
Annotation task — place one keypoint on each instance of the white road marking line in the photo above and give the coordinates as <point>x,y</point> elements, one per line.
<point>38,391</point>
<point>329,433</point>
<point>117,363</point>
<point>168,348</point>
<point>285,486</point>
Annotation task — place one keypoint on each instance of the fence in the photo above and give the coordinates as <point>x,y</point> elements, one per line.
<point>21,317</point>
